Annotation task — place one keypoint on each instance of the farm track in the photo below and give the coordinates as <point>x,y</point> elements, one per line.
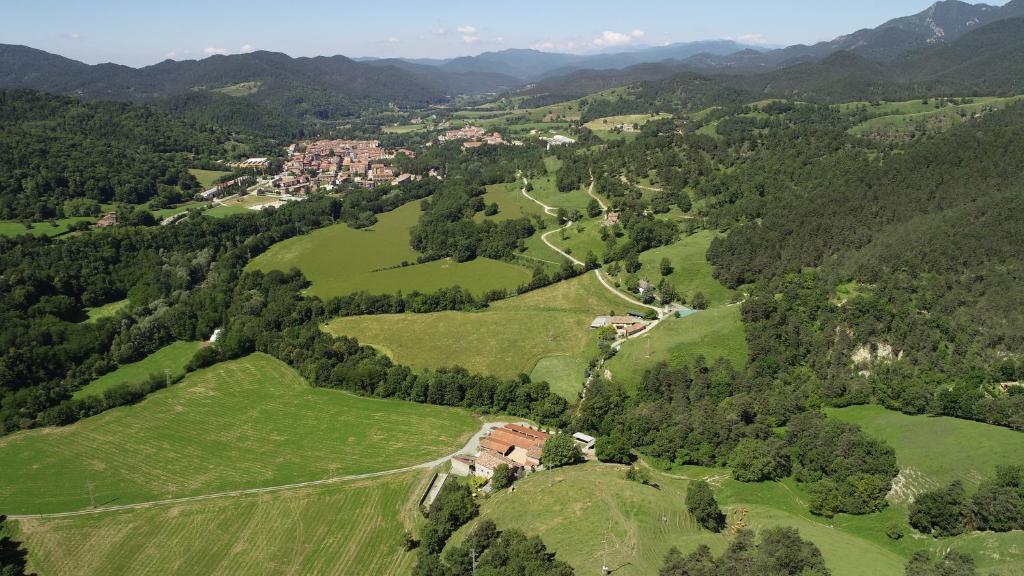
<point>470,447</point>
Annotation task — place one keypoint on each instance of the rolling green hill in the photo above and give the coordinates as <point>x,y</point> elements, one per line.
<point>241,424</point>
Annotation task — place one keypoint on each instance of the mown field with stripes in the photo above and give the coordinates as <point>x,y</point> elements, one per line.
<point>247,423</point>
<point>346,528</point>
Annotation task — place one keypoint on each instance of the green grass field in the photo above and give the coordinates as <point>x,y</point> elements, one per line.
<point>587,502</point>
<point>173,357</point>
<point>583,237</point>
<point>545,190</point>
<point>207,178</point>
<point>105,311</point>
<point>715,333</point>
<point>346,528</point>
<point>691,270</point>
<point>930,451</point>
<point>511,204</point>
<point>8,228</point>
<point>246,423</point>
<point>899,119</point>
<point>938,450</point>
<point>341,260</point>
<point>512,336</point>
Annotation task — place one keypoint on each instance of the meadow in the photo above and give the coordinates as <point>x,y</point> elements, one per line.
<point>245,423</point>
<point>10,228</point>
<point>340,260</point>
<point>901,119</point>
<point>714,333</point>
<point>938,450</point>
<point>691,272</point>
<point>207,178</point>
<point>545,330</point>
<point>345,528</point>
<point>511,204</point>
<point>579,506</point>
<point>545,190</point>
<point>105,311</point>
<point>173,357</point>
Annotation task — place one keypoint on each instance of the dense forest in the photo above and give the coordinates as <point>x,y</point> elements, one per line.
<point>54,149</point>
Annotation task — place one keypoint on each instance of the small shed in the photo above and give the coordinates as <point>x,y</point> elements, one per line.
<point>584,439</point>
<point>600,322</point>
<point>462,465</point>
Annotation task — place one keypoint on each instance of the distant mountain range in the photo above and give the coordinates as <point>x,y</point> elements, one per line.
<point>928,46</point>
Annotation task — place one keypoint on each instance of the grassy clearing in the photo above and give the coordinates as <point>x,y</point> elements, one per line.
<point>691,270</point>
<point>341,260</point>
<point>511,204</point>
<point>625,119</point>
<point>900,119</point>
<point>404,128</point>
<point>545,190</point>
<point>585,502</point>
<point>714,333</point>
<point>510,337</point>
<point>173,357</point>
<point>347,528</point>
<point>939,449</point>
<point>241,424</point>
<point>583,237</point>
<point>105,311</point>
<point>9,228</point>
<point>207,178</point>
<point>861,541</point>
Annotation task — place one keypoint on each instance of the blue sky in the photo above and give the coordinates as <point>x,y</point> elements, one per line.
<point>143,32</point>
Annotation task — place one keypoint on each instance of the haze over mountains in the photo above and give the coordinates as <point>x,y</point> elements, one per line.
<point>918,48</point>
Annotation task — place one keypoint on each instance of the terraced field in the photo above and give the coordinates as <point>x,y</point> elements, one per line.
<point>346,528</point>
<point>246,423</point>
<point>341,260</point>
<point>510,337</point>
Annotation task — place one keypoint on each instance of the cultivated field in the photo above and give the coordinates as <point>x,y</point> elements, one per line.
<point>246,423</point>
<point>345,528</point>
<point>341,260</point>
<point>715,333</point>
<point>512,336</point>
<point>173,357</point>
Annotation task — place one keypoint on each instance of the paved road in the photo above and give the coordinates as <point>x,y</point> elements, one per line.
<point>472,447</point>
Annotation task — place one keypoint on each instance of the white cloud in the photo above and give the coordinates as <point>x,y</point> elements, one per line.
<point>246,48</point>
<point>547,45</point>
<point>609,38</point>
<point>466,30</point>
<point>393,40</point>
<point>72,36</point>
<point>212,51</point>
<point>500,40</point>
<point>751,39</point>
<point>468,39</point>
<point>440,30</point>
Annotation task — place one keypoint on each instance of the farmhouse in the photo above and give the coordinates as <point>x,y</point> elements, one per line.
<point>514,445</point>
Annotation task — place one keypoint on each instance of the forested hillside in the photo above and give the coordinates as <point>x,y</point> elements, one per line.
<point>54,149</point>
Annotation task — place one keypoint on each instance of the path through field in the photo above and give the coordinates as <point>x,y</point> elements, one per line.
<point>471,447</point>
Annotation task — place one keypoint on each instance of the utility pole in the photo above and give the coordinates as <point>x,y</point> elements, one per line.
<point>167,376</point>
<point>472,556</point>
<point>92,497</point>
